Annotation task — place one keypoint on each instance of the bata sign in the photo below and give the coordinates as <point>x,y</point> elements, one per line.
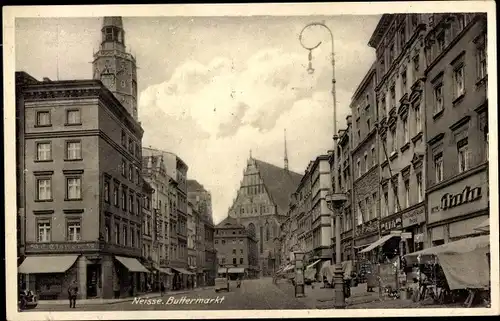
<point>468,195</point>
<point>391,224</point>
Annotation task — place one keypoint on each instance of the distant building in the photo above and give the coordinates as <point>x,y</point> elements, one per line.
<point>311,218</point>
<point>83,215</point>
<point>191,242</point>
<point>261,205</point>
<point>176,169</point>
<point>236,249</point>
<point>456,100</point>
<point>345,186</point>
<point>147,234</point>
<point>201,201</point>
<point>158,225</point>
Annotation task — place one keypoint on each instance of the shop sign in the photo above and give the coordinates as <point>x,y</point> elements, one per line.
<point>392,223</point>
<point>61,247</point>
<point>468,195</point>
<point>414,217</point>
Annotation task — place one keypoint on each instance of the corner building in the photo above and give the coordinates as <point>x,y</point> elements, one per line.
<point>83,216</point>
<point>457,126</point>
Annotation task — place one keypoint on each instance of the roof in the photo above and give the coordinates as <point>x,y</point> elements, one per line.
<point>380,30</point>
<point>194,186</point>
<point>112,21</point>
<point>280,183</point>
<point>229,222</point>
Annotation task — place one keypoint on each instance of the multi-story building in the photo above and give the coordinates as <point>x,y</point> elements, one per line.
<point>262,203</point>
<point>22,79</point>
<point>345,186</point>
<point>155,174</point>
<point>398,41</point>
<point>176,191</point>
<point>84,218</point>
<point>236,249</point>
<point>311,213</point>
<point>147,233</point>
<point>191,241</point>
<point>201,201</point>
<point>365,167</point>
<point>210,256</point>
<point>457,126</point>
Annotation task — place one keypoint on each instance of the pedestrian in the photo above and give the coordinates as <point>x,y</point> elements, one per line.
<point>162,288</point>
<point>72,293</point>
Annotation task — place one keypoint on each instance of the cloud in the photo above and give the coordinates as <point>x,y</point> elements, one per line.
<point>213,114</point>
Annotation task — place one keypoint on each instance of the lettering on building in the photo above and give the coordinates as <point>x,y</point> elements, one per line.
<point>391,224</point>
<point>468,195</point>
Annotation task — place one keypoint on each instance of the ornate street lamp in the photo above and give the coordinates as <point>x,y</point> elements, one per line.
<point>335,199</point>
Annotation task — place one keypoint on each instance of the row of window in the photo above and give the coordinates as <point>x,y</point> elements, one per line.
<point>126,236</point>
<point>73,189</point>
<point>256,209</point>
<point>458,78</point>
<point>128,199</point>
<point>73,230</point>
<point>233,241</point>
<point>134,174</point>
<point>44,117</point>
<point>72,150</point>
<point>222,261</point>
<point>131,145</point>
<point>407,200</point>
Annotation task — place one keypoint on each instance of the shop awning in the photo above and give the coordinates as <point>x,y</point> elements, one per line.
<point>132,264</point>
<point>182,271</point>
<point>164,271</point>
<point>312,265</point>
<point>378,243</point>
<point>47,264</point>
<point>222,270</point>
<point>236,270</point>
<point>288,268</point>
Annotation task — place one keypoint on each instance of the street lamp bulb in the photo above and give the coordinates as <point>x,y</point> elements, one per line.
<point>310,70</point>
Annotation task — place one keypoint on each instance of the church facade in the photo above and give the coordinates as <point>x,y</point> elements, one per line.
<point>261,206</point>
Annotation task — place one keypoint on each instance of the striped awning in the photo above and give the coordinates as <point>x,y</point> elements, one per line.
<point>236,270</point>
<point>378,243</point>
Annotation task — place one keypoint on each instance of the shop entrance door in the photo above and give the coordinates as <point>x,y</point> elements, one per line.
<point>93,279</point>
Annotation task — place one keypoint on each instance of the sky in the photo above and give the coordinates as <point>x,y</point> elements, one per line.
<point>212,89</point>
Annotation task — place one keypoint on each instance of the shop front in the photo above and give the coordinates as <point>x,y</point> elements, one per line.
<point>457,208</point>
<point>414,223</point>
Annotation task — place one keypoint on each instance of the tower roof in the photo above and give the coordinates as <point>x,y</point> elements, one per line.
<point>112,22</point>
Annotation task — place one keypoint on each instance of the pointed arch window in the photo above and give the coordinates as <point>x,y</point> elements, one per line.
<point>267,231</point>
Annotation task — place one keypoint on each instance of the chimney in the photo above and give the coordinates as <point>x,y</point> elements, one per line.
<point>46,79</point>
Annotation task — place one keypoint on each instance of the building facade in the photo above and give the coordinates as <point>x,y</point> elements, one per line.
<point>158,225</point>
<point>201,201</point>
<point>84,219</point>
<point>236,248</point>
<point>261,205</point>
<point>147,280</point>
<point>344,169</point>
<point>191,242</point>
<point>398,41</point>
<point>457,126</point>
<point>311,213</point>
<point>365,167</point>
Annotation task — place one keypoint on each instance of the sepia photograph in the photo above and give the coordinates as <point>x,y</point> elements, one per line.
<point>254,160</point>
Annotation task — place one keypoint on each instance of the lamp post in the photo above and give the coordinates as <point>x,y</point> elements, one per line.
<point>335,199</point>
<point>299,273</point>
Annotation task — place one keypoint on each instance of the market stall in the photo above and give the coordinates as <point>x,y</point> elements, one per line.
<point>464,265</point>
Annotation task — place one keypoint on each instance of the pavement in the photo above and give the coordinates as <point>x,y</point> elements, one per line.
<point>120,300</point>
<point>258,294</point>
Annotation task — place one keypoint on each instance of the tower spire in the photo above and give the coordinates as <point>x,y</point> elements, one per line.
<point>286,154</point>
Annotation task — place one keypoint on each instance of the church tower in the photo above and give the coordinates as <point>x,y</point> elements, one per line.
<point>114,66</point>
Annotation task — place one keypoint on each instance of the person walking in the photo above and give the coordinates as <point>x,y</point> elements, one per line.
<point>162,288</point>
<point>72,294</point>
